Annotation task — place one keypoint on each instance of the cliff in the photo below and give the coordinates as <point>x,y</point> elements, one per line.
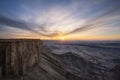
<point>27,59</point>
<point>18,56</point>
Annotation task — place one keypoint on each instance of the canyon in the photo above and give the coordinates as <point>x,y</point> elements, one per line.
<point>32,59</point>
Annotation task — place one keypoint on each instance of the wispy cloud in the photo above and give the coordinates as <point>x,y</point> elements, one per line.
<point>6,22</point>
<point>102,20</point>
<point>52,18</point>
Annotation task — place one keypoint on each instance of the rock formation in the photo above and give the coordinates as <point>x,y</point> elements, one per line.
<point>29,59</point>
<point>17,57</point>
<point>26,59</point>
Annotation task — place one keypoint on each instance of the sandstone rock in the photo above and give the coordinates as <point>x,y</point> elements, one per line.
<point>18,56</point>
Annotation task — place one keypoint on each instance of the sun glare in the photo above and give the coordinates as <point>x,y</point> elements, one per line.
<point>62,38</point>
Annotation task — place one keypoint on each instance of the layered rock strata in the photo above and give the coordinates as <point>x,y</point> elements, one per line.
<point>18,56</point>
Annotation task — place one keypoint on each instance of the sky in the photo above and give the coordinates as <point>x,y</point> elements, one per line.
<point>60,19</point>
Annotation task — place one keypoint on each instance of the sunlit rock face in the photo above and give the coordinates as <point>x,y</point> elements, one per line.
<point>17,57</point>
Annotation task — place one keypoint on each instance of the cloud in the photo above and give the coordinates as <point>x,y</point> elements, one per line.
<point>102,18</point>
<point>50,19</point>
<point>13,23</point>
<point>7,22</point>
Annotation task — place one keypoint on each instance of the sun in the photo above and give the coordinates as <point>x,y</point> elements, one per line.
<point>62,38</point>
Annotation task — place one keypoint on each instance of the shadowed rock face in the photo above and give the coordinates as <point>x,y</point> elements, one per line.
<point>93,61</point>
<point>18,56</point>
<point>28,60</point>
<point>31,60</point>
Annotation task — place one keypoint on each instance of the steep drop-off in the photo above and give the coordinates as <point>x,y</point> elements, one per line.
<point>28,59</point>
<point>18,56</point>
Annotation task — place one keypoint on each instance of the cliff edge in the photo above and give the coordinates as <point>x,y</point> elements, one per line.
<point>18,56</point>
<point>28,59</point>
